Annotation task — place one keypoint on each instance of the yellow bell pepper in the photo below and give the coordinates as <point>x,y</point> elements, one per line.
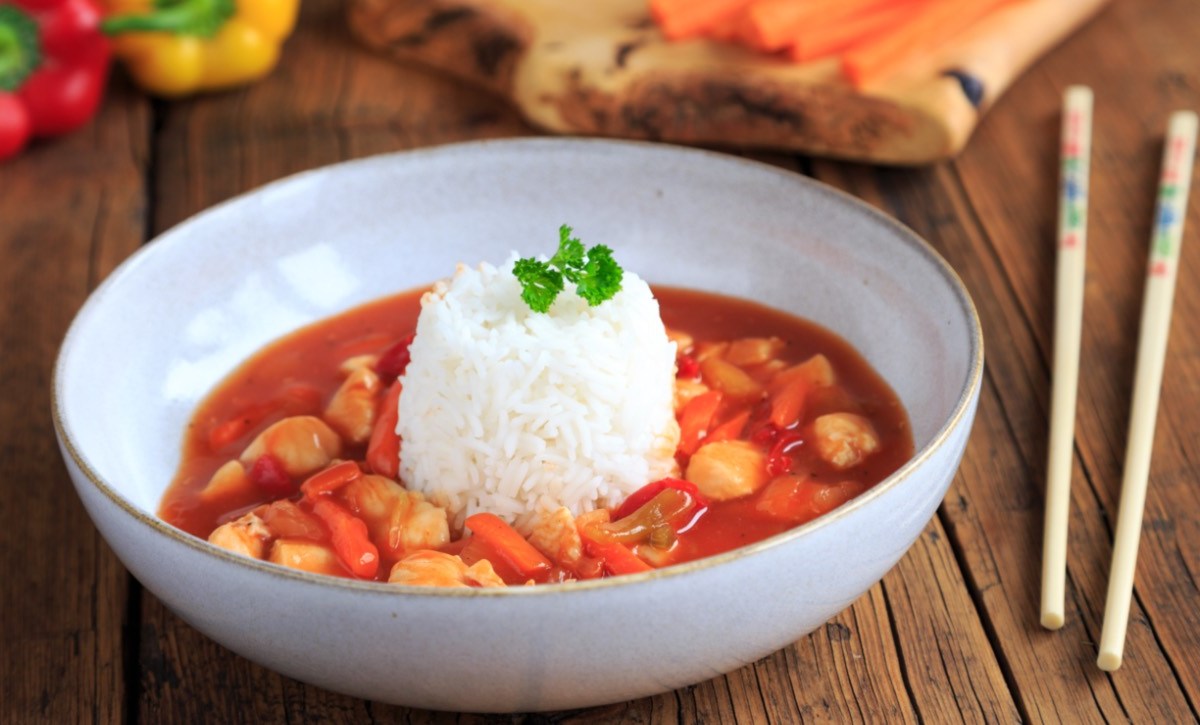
<point>178,47</point>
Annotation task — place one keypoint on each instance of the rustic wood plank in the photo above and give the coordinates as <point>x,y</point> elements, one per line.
<point>1126,162</point>
<point>995,517</point>
<point>64,595</point>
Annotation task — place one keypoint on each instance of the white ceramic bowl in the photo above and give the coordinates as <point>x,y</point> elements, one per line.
<point>185,310</point>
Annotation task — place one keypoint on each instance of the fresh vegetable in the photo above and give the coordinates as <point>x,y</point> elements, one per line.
<point>874,37</point>
<point>349,536</point>
<point>53,65</point>
<point>178,47</point>
<point>653,522</point>
<point>868,62</point>
<point>595,274</point>
<point>508,544</point>
<point>680,19</point>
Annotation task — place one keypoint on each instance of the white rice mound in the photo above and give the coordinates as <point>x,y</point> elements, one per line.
<point>516,412</point>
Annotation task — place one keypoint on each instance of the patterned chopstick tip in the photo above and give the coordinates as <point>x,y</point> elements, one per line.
<point>1172,196</point>
<point>1076,145</point>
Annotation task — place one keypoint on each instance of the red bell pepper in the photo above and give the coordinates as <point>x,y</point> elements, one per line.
<point>53,66</point>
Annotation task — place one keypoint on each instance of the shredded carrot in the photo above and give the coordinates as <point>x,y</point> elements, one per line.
<point>680,19</point>
<point>509,544</point>
<point>867,63</point>
<point>774,24</point>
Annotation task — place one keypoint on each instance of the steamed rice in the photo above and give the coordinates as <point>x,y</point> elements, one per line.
<point>515,412</point>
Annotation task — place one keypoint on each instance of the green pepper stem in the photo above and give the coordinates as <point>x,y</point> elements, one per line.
<point>201,18</point>
<point>20,52</point>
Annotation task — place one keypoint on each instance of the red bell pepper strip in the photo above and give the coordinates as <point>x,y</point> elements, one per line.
<point>778,460</point>
<point>53,66</point>
<point>642,496</point>
<point>394,360</point>
<point>383,450</point>
<point>509,544</point>
<point>326,481</point>
<point>268,473</point>
<point>350,540</point>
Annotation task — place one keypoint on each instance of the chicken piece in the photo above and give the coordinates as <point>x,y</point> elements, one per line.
<point>303,444</point>
<point>400,521</point>
<point>307,556</point>
<point>728,469</point>
<point>350,364</point>
<point>438,569</point>
<point>247,536</point>
<point>555,535</point>
<point>352,410</point>
<point>228,482</point>
<point>844,439</point>
<point>686,390</point>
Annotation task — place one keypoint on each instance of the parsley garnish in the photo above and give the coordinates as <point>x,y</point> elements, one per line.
<point>595,274</point>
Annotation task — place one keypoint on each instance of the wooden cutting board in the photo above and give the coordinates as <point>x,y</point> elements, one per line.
<point>600,67</point>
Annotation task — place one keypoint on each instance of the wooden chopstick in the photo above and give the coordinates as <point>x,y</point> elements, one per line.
<point>1068,325</point>
<point>1166,238</point>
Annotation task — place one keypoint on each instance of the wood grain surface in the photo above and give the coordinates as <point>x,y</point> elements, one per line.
<point>950,634</point>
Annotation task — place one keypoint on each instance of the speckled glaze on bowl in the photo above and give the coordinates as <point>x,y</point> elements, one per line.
<point>184,311</point>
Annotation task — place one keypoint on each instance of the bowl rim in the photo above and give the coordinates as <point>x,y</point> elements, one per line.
<point>527,145</point>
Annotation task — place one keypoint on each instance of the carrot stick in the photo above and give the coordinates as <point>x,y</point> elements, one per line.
<point>349,536</point>
<point>816,42</point>
<point>504,539</point>
<point>867,63</point>
<point>617,558</point>
<point>787,405</point>
<point>773,24</point>
<point>330,479</point>
<point>680,19</point>
<point>695,418</point>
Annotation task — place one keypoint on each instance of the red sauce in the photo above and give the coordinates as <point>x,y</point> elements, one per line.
<point>298,374</point>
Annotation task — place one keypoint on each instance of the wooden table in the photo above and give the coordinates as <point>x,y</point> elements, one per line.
<point>950,633</point>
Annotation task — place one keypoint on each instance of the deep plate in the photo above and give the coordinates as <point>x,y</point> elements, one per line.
<point>185,310</point>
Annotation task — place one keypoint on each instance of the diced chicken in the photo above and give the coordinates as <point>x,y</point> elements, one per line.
<point>844,439</point>
<point>728,469</point>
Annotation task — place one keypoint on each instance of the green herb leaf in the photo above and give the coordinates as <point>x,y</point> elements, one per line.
<point>540,284</point>
<point>594,272</point>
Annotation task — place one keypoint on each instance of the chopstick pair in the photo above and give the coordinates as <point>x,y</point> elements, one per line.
<point>1162,266</point>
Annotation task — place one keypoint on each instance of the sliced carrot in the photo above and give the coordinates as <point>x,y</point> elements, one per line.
<point>730,429</point>
<point>695,418</point>
<point>680,19</point>
<point>509,544</point>
<point>383,450</point>
<point>866,63</point>
<point>773,24</point>
<point>787,405</point>
<point>350,540</point>
<point>811,43</point>
<point>617,558</point>
<point>330,479</point>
